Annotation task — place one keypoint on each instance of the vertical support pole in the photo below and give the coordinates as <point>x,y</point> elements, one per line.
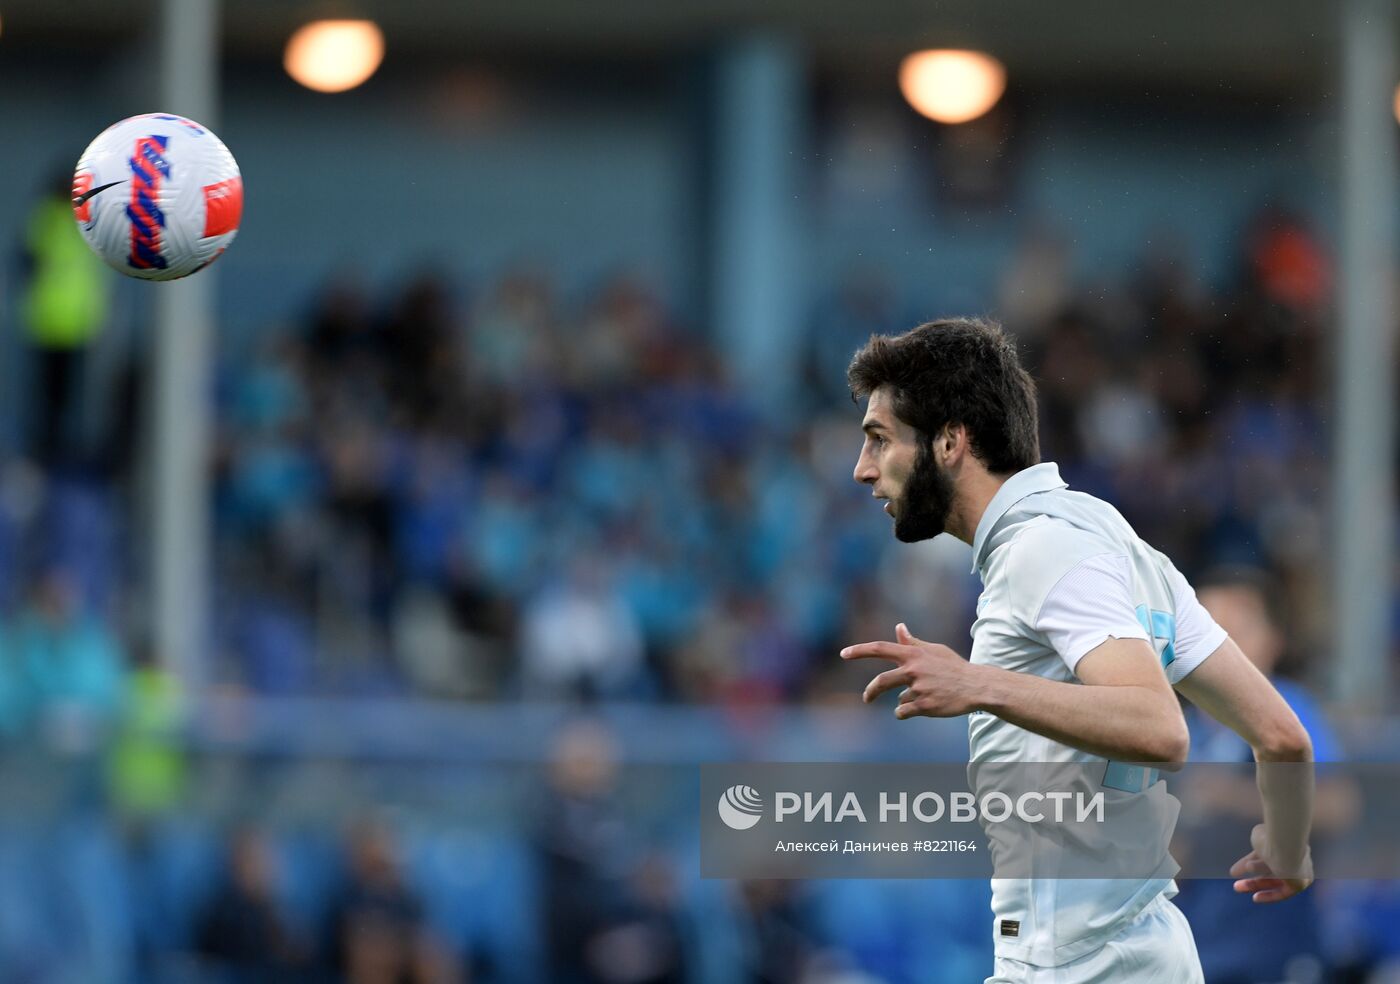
<point>184,318</point>
<point>759,146</point>
<point>1363,487</point>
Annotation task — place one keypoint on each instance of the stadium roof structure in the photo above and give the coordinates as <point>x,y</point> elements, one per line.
<point>1259,46</point>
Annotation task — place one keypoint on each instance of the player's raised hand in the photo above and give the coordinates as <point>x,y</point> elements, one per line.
<point>937,681</point>
<point>1256,873</point>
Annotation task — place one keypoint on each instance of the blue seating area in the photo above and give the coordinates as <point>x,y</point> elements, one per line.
<point>82,901</point>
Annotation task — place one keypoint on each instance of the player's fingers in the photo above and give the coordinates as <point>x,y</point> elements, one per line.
<point>1246,865</point>
<point>879,650</point>
<point>907,696</point>
<point>1257,884</point>
<point>903,636</point>
<point>1264,890</point>
<point>911,709</point>
<point>1250,864</point>
<point>899,677</point>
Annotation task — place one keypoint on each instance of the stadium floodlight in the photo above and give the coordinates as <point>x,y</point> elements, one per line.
<point>951,86</point>
<point>334,55</point>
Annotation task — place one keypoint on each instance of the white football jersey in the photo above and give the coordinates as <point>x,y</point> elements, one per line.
<point>1062,572</point>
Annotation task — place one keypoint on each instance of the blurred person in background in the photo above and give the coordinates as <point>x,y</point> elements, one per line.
<point>377,933</point>
<point>584,848</point>
<point>64,303</point>
<point>420,332</point>
<point>16,696</point>
<point>71,661</point>
<point>1240,943</point>
<point>778,942</point>
<point>579,640</point>
<point>146,760</point>
<point>242,935</point>
<point>643,942</point>
<point>612,906</point>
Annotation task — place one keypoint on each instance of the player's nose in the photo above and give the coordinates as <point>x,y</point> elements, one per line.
<point>865,472</point>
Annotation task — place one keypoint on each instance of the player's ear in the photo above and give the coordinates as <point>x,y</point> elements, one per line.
<point>950,442</point>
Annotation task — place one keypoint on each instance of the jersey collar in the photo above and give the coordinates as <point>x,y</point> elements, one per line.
<point>1044,477</point>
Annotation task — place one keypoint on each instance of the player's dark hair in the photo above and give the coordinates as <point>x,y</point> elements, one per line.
<point>956,371</point>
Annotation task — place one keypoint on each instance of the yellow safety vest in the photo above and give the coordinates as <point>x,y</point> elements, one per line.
<point>66,300</point>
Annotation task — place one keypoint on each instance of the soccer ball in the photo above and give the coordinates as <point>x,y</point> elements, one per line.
<point>157,196</point>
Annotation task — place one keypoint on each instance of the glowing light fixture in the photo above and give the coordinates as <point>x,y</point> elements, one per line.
<point>952,86</point>
<point>1397,103</point>
<point>334,55</point>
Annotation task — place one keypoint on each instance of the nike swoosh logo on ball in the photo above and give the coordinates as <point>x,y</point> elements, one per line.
<point>78,202</point>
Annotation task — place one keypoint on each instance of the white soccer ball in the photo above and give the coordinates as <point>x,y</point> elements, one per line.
<point>158,196</point>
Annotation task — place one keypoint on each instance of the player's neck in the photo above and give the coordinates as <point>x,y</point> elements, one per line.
<point>970,503</point>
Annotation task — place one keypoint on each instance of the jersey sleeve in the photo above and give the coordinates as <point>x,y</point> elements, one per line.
<point>1092,602</point>
<point>1197,634</point>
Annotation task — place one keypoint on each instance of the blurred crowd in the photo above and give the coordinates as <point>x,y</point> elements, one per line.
<point>513,493</point>
<point>518,494</point>
<point>507,492</point>
<point>525,498</point>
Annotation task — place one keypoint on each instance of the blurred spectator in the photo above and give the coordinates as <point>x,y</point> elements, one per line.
<point>1287,262</point>
<point>147,759</point>
<point>1228,926</point>
<point>70,660</point>
<point>620,333</point>
<point>780,944</point>
<point>743,652</point>
<point>1036,285</point>
<point>64,306</point>
<point>440,659</point>
<point>14,694</point>
<point>508,337</point>
<point>242,934</point>
<point>377,932</point>
<point>581,840</point>
<point>342,333</point>
<point>577,638</point>
<point>643,942</point>
<point>599,928</point>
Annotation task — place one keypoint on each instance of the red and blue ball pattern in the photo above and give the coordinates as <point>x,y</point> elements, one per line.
<point>158,196</point>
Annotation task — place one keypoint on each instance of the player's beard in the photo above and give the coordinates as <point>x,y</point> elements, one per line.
<point>922,510</point>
